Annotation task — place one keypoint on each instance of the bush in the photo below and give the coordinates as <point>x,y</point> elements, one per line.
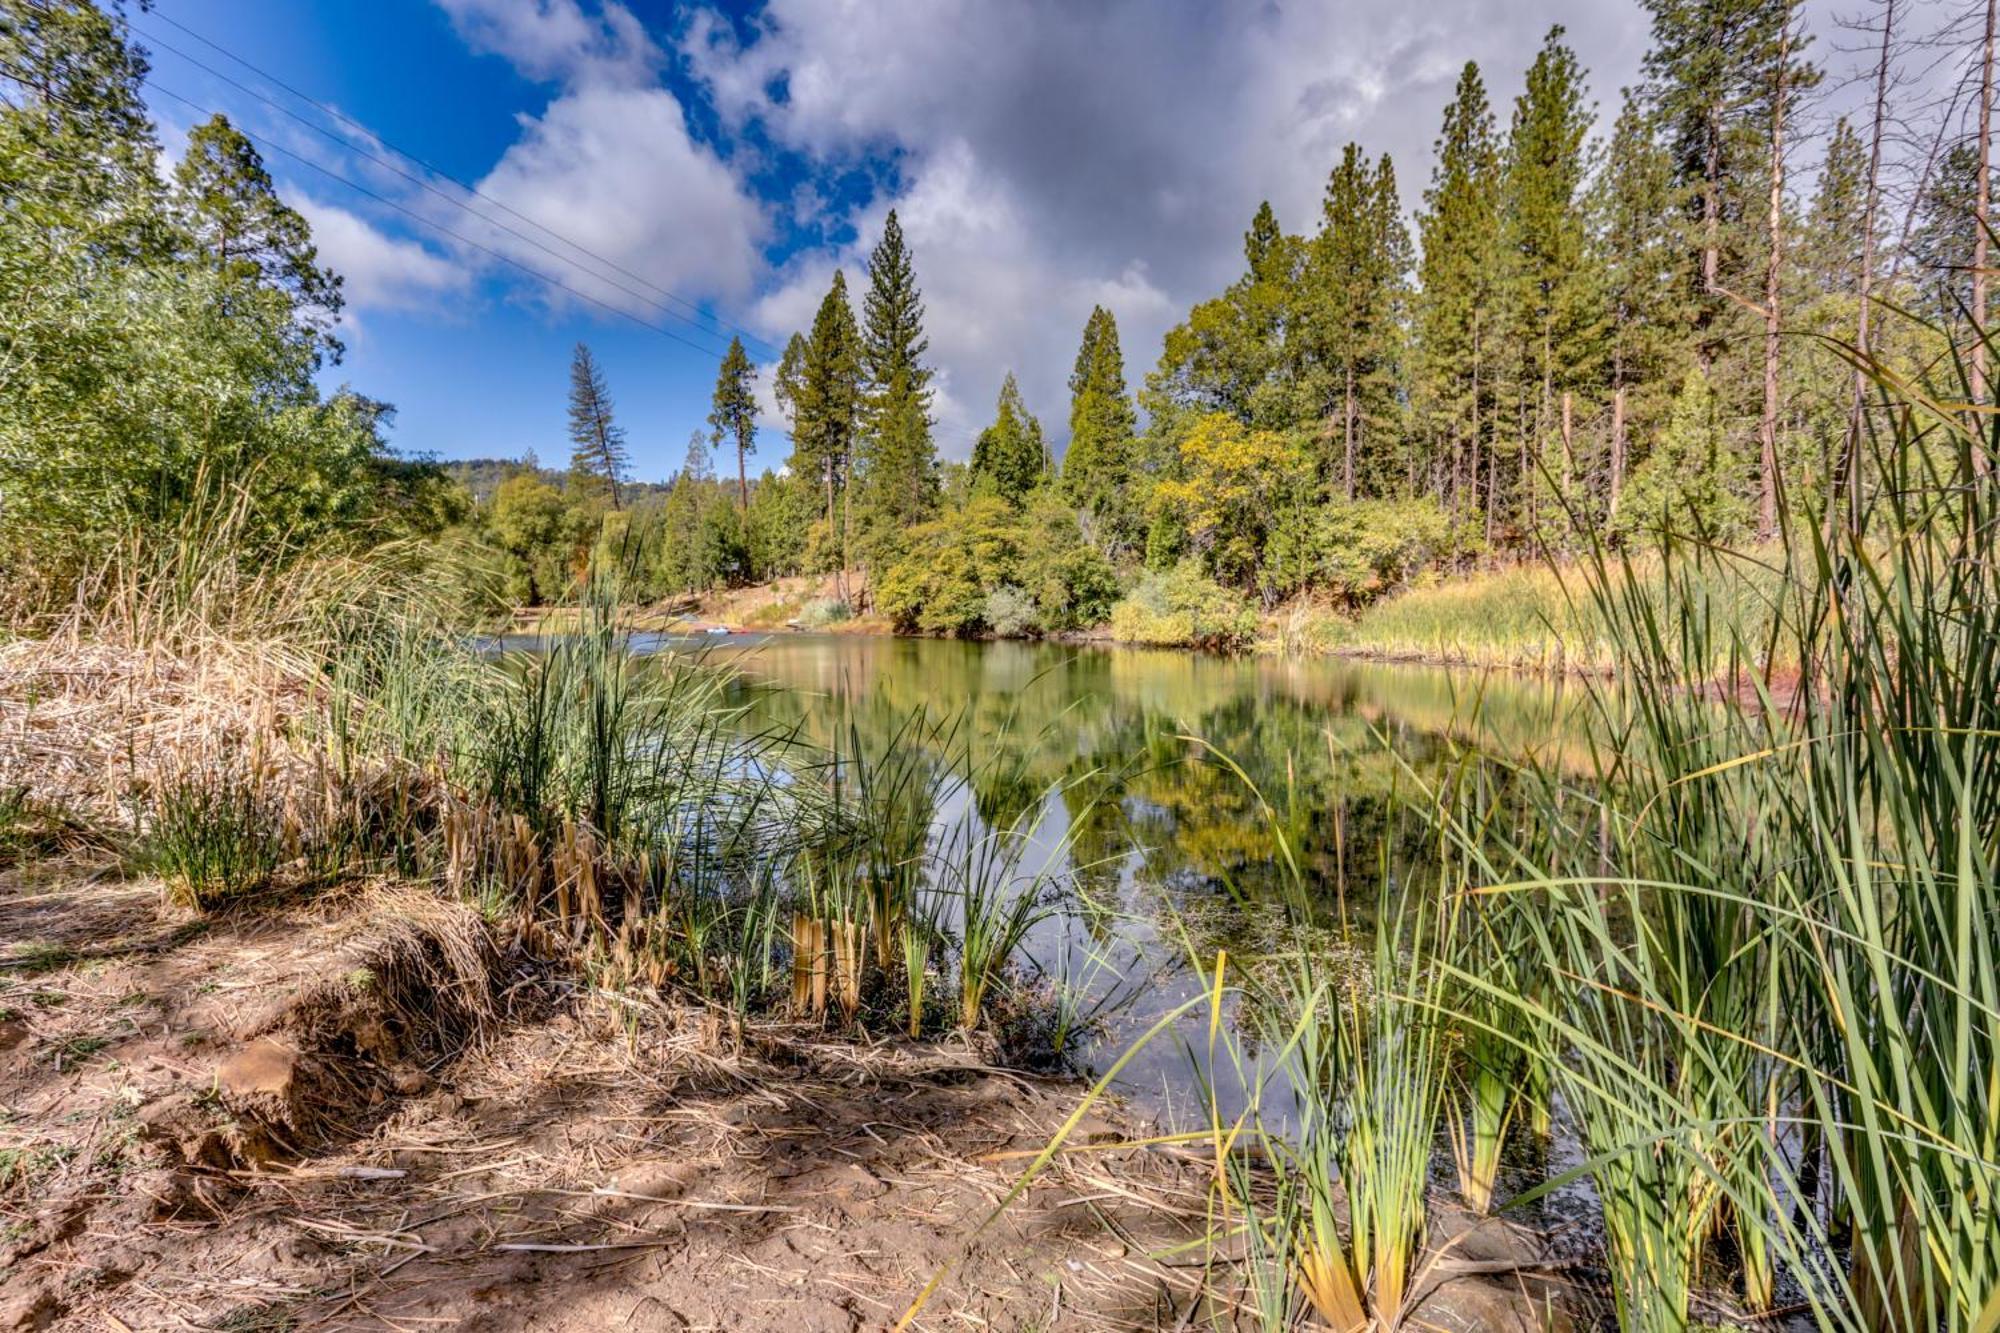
<point>951,569</point>
<point>823,611</point>
<point>1183,608</point>
<point>1011,613</point>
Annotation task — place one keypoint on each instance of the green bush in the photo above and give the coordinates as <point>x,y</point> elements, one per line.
<point>1183,608</point>
<point>950,569</point>
<point>823,611</point>
<point>1011,614</point>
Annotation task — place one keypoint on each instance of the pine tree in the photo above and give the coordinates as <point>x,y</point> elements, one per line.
<point>733,414</point>
<point>78,150</point>
<point>1554,310</point>
<point>598,454</point>
<point>1009,458</point>
<point>786,383</point>
<point>1637,239</point>
<point>1098,469</point>
<point>899,466</point>
<point>1359,264</point>
<point>1455,322</point>
<point>826,406</point>
<point>231,210</point>
<point>1710,83</point>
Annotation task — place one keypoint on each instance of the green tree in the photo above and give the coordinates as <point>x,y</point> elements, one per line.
<point>1230,483</point>
<point>826,406</point>
<point>1695,479</point>
<point>1555,291</point>
<point>899,466</point>
<point>1455,320</point>
<point>231,211</point>
<point>1010,458</point>
<point>1099,469</point>
<point>540,532</point>
<point>1358,273</point>
<point>733,415</point>
<point>597,458</point>
<point>1646,300</point>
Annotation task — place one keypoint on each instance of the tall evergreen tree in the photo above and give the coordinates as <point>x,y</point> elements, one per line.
<point>1009,457</point>
<point>597,456</point>
<point>1554,293</point>
<point>827,408</point>
<point>232,212</point>
<point>1358,269</point>
<point>1637,231</point>
<point>733,414</point>
<point>1710,81</point>
<point>1455,324</point>
<point>79,150</point>
<point>1099,466</point>
<point>900,462</point>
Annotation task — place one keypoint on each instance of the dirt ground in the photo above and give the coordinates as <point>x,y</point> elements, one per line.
<point>359,1113</point>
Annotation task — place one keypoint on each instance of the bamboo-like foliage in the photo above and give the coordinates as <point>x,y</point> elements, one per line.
<point>1767,930</point>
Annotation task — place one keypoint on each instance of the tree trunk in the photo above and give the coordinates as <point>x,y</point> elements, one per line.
<point>1569,445</point>
<point>1347,466</point>
<point>1767,427</point>
<point>1980,215</point>
<point>742,483</point>
<point>1847,475</point>
<point>1617,449</point>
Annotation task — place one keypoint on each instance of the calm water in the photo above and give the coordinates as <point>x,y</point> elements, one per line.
<point>1167,850</point>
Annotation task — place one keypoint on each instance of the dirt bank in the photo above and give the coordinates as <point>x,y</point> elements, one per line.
<point>360,1113</point>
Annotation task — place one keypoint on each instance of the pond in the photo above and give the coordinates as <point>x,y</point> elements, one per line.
<point>1140,773</point>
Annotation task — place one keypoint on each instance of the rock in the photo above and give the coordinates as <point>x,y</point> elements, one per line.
<point>264,1068</point>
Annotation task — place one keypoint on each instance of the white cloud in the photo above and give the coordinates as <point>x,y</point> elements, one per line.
<point>380,271</point>
<point>1050,156</point>
<point>557,41</point>
<point>614,170</point>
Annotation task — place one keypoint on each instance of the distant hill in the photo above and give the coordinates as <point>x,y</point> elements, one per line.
<point>482,475</point>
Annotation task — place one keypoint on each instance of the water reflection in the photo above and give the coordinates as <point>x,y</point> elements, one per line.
<point>1133,756</point>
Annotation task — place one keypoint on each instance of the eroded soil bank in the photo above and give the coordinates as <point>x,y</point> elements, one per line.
<point>361,1112</point>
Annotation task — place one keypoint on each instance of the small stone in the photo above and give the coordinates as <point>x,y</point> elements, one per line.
<point>263,1068</point>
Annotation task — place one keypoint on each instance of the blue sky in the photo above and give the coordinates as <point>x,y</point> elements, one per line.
<point>1043,156</point>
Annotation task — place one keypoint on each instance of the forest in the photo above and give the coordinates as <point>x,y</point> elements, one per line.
<point>1580,329</point>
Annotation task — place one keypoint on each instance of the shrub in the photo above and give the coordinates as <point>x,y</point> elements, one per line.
<point>1011,613</point>
<point>1183,608</point>
<point>951,568</point>
<point>823,611</point>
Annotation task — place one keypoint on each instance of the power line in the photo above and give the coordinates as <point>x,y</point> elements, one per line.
<point>438,226</point>
<point>463,239</point>
<point>700,314</point>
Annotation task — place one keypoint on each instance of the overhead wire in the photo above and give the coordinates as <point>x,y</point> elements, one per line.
<point>700,314</point>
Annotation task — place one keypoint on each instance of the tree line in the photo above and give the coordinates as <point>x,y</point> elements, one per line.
<point>1579,332</point>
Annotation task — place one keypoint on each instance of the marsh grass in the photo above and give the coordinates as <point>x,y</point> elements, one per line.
<point>213,836</point>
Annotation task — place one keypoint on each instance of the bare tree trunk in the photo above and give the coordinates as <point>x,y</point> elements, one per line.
<point>1492,473</point>
<point>1617,449</point>
<point>1847,476</point>
<point>742,482</point>
<point>1569,444</point>
<point>1767,428</point>
<point>1980,218</point>
<point>1347,466</point>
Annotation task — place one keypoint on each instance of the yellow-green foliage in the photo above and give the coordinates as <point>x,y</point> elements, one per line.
<point>1532,617</point>
<point>1183,608</point>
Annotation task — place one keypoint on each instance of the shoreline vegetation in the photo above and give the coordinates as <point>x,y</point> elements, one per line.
<point>1532,619</point>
